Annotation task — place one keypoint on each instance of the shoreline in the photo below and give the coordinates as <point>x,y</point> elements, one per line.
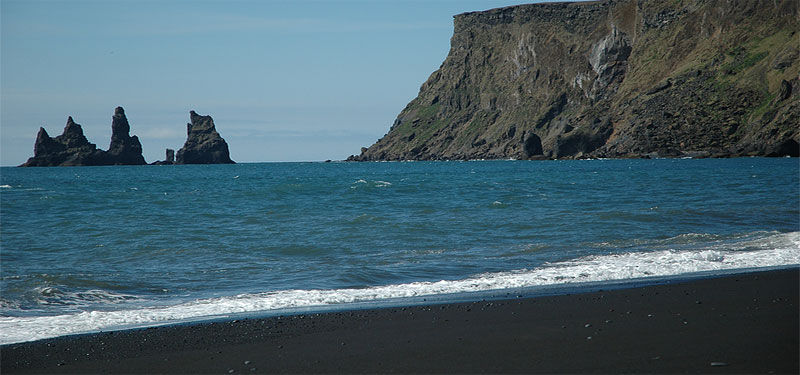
<point>742,322</point>
<point>533,291</point>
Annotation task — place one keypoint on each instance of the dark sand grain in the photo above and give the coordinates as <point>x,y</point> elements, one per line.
<point>745,323</point>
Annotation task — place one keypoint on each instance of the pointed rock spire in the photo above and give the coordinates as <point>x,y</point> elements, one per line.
<point>124,149</point>
<point>120,128</point>
<point>45,145</point>
<point>72,136</point>
<point>203,144</point>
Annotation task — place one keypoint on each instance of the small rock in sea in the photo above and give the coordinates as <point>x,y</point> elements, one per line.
<point>719,364</point>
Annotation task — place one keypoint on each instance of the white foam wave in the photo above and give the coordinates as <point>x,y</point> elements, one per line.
<point>772,250</point>
<point>49,295</point>
<point>371,184</point>
<point>5,186</point>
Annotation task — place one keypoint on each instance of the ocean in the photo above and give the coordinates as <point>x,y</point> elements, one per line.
<point>87,249</point>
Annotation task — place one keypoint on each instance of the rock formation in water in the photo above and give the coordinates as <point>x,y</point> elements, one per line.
<point>124,149</point>
<point>203,144</point>
<point>613,78</point>
<point>71,148</point>
<point>170,158</point>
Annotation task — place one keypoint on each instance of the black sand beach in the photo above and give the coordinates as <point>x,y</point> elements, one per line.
<point>745,323</point>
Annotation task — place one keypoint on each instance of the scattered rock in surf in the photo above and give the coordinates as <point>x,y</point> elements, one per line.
<point>170,158</point>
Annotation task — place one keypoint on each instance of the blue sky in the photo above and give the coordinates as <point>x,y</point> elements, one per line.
<point>283,80</point>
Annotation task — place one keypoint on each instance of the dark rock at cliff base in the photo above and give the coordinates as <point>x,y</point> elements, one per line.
<point>611,79</point>
<point>203,144</point>
<point>71,148</point>
<point>788,147</point>
<point>124,149</point>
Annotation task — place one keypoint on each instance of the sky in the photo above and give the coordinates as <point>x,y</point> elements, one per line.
<point>283,80</point>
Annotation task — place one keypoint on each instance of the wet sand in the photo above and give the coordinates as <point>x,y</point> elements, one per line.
<point>745,323</point>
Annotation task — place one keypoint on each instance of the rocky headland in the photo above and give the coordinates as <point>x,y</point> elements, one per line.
<point>71,148</point>
<point>610,79</point>
<point>203,144</point>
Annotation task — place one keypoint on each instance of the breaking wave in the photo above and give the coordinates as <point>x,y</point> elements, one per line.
<point>777,249</point>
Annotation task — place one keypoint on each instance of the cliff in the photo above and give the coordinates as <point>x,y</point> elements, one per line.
<point>71,148</point>
<point>614,78</point>
<point>203,144</point>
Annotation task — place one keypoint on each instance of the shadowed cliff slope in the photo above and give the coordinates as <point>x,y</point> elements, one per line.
<point>609,78</point>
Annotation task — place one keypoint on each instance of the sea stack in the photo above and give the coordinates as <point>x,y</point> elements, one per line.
<point>124,149</point>
<point>203,144</point>
<point>71,148</point>
<point>170,160</point>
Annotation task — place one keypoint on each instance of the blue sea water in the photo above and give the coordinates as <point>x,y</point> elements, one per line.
<point>93,248</point>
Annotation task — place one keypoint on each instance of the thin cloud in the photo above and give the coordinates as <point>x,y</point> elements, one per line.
<point>144,22</point>
<point>208,23</point>
<point>159,133</point>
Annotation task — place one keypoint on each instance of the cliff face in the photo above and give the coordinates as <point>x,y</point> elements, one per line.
<point>614,78</point>
<point>71,148</point>
<point>203,144</point>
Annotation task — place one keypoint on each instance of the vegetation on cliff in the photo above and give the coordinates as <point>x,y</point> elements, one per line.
<point>613,78</point>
